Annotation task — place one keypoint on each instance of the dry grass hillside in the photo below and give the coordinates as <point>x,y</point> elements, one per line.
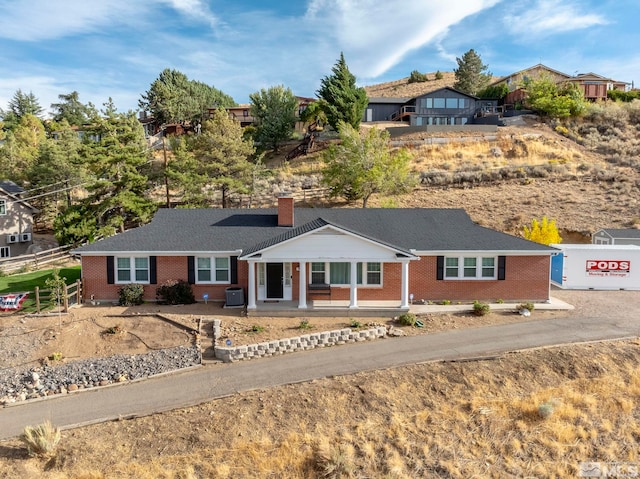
<point>504,180</point>
<point>529,414</point>
<point>402,88</point>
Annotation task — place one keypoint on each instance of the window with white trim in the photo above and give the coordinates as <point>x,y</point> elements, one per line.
<point>5,252</point>
<point>368,274</point>
<point>470,267</point>
<point>318,273</point>
<point>213,269</point>
<point>3,207</point>
<point>130,269</point>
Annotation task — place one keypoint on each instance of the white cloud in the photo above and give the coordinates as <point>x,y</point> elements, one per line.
<point>551,16</point>
<point>49,19</point>
<point>196,9</point>
<point>376,35</point>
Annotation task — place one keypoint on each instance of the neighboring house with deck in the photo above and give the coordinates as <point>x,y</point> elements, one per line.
<point>616,236</point>
<point>593,86</point>
<point>320,258</point>
<point>444,106</point>
<point>16,221</point>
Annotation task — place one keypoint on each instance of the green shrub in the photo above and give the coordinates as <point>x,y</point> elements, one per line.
<point>407,319</point>
<point>304,324</point>
<point>439,75</point>
<point>546,409</point>
<point>41,439</point>
<point>175,292</point>
<point>446,302</point>
<point>355,324</point>
<point>130,295</point>
<point>530,306</point>
<point>417,77</point>
<point>481,309</point>
<point>256,328</point>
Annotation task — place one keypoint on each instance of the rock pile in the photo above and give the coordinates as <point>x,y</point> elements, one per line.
<point>18,384</point>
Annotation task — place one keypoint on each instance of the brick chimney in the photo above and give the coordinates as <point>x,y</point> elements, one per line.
<point>285,210</point>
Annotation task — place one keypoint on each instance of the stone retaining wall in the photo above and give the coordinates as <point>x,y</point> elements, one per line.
<point>230,354</point>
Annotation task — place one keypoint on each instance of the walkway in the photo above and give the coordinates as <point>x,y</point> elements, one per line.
<point>203,384</point>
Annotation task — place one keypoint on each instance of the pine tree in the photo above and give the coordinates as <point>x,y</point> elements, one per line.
<point>117,156</point>
<point>216,159</point>
<point>471,74</point>
<point>342,99</point>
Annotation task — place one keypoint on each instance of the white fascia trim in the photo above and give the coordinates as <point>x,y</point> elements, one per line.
<point>485,253</point>
<point>334,227</point>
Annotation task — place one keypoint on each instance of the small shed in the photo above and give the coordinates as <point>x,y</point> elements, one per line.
<point>616,236</point>
<point>601,267</point>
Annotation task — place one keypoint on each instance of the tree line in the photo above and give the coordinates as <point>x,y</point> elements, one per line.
<point>91,172</point>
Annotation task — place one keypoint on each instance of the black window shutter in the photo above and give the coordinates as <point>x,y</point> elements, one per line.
<point>191,269</point>
<point>440,268</point>
<point>502,260</point>
<point>234,269</point>
<point>153,276</point>
<point>110,272</point>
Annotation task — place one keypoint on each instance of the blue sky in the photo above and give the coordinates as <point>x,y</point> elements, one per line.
<point>116,48</point>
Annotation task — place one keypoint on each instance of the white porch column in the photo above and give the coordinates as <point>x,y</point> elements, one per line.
<point>353,303</point>
<point>251,300</point>
<point>302,289</point>
<point>404,293</point>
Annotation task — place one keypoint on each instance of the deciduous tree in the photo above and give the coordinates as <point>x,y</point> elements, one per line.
<point>556,101</point>
<point>471,74</point>
<point>544,232</point>
<point>363,164</point>
<point>275,111</point>
<point>343,100</point>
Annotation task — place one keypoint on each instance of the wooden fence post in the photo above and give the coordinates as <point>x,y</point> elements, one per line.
<point>78,292</point>
<point>65,297</point>
<point>37,293</point>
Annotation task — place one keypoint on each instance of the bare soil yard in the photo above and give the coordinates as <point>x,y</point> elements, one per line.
<point>403,423</point>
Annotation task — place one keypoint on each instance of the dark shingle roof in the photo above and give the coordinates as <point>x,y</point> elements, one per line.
<point>10,187</point>
<point>622,232</point>
<point>251,230</point>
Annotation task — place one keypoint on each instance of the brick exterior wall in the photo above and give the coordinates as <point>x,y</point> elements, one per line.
<point>526,278</point>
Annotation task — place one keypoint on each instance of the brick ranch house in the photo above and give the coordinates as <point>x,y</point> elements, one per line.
<point>320,258</point>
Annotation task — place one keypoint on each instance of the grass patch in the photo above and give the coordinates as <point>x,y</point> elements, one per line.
<point>17,283</point>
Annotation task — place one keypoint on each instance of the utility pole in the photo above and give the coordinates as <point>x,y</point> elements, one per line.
<point>166,163</point>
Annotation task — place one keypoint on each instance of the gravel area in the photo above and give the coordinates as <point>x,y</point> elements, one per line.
<point>18,384</point>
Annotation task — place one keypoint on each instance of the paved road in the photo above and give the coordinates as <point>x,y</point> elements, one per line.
<point>218,380</point>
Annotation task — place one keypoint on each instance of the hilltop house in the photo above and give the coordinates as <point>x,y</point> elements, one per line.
<point>16,221</point>
<point>444,106</point>
<point>320,258</point>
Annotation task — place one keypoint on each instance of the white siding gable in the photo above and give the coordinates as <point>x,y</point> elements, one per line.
<point>329,244</point>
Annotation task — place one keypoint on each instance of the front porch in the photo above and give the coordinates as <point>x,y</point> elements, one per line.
<point>327,308</point>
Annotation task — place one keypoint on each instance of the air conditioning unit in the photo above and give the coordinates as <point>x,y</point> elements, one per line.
<point>25,237</point>
<point>12,238</point>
